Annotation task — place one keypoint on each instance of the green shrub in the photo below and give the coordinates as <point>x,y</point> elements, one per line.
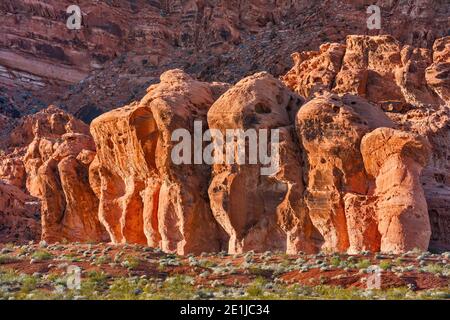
<point>131,262</point>
<point>364,264</point>
<point>385,265</point>
<point>256,289</point>
<point>335,261</point>
<point>434,268</point>
<point>42,255</point>
<point>6,258</point>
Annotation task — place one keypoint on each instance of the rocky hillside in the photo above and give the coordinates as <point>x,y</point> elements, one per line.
<point>363,162</point>
<point>124,46</point>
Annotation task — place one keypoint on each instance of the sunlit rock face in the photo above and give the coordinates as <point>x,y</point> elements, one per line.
<point>409,84</point>
<point>361,161</point>
<point>144,196</point>
<point>261,211</point>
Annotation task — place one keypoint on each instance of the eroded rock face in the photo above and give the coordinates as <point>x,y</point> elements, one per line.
<point>315,70</point>
<point>12,171</point>
<point>48,169</point>
<point>19,215</point>
<point>396,159</point>
<point>120,170</point>
<point>378,68</point>
<point>330,129</point>
<point>363,184</point>
<point>438,74</point>
<point>410,84</point>
<point>69,206</point>
<point>260,212</point>
<point>144,196</point>
<point>367,170</point>
<point>138,39</point>
<point>434,123</point>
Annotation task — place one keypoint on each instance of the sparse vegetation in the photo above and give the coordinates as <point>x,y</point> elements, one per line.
<point>385,265</point>
<point>42,255</point>
<point>148,274</point>
<point>6,258</point>
<point>364,264</point>
<point>131,262</point>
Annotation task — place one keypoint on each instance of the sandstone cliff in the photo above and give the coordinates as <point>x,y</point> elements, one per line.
<point>362,165</point>
<point>409,84</point>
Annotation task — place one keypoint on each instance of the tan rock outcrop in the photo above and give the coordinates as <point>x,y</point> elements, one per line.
<point>330,129</point>
<point>145,197</point>
<point>19,215</point>
<point>315,70</point>
<point>395,159</point>
<point>438,74</point>
<point>260,212</point>
<point>54,175</point>
<point>378,68</point>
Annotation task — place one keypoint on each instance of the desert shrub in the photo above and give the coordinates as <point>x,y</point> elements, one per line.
<point>131,262</point>
<point>363,264</point>
<point>385,265</point>
<point>6,258</point>
<point>256,289</point>
<point>434,268</point>
<point>42,255</point>
<point>335,261</point>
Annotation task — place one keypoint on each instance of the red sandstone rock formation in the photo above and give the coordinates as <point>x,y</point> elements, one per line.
<point>144,196</point>
<point>260,212</point>
<point>315,70</point>
<point>330,129</point>
<point>364,190</point>
<point>69,207</point>
<point>350,177</point>
<point>19,215</point>
<point>377,68</point>
<point>12,171</point>
<point>438,74</point>
<point>433,123</point>
<point>395,160</point>
<point>410,84</point>
<point>48,164</point>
